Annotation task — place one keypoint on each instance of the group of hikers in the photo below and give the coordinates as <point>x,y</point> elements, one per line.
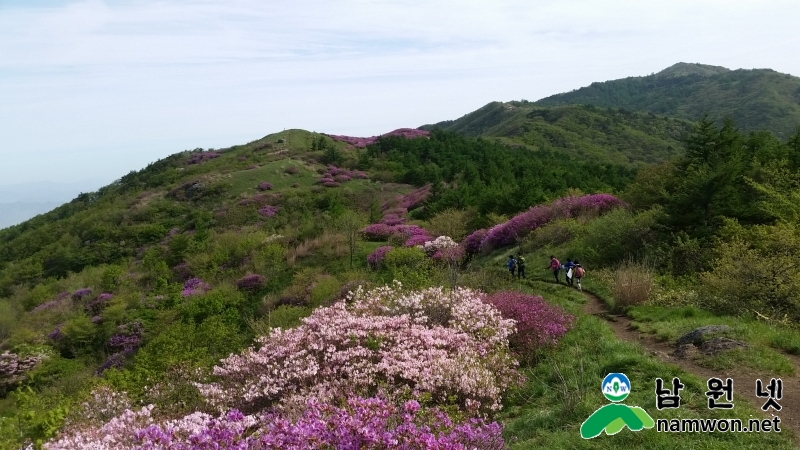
<point>573,271</point>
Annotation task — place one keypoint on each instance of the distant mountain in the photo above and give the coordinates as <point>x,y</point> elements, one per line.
<point>755,99</point>
<point>18,212</point>
<point>599,134</point>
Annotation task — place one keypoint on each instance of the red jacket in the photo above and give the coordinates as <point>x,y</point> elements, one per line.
<point>554,264</point>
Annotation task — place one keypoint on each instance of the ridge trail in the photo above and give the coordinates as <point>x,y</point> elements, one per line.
<point>744,379</point>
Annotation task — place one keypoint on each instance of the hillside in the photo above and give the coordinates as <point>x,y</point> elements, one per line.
<point>586,132</point>
<point>755,99</point>
<point>245,297</point>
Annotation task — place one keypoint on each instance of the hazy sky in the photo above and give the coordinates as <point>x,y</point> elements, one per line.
<point>93,89</point>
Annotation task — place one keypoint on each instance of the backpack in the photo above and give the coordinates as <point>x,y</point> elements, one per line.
<point>579,272</point>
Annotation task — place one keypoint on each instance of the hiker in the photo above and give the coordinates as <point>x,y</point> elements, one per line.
<point>512,265</point>
<point>579,273</point>
<point>520,266</point>
<point>568,266</point>
<point>555,266</point>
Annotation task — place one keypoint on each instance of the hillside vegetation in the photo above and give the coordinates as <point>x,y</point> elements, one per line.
<point>755,99</point>
<point>301,290</point>
<point>586,133</point>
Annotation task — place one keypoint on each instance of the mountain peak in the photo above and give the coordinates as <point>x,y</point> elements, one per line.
<point>683,69</point>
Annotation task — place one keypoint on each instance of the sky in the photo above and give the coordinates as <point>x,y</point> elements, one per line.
<point>91,89</point>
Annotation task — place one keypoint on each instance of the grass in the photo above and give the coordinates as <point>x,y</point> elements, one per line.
<point>564,389</point>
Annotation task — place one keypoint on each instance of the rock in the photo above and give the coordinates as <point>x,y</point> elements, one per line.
<point>720,344</point>
<point>698,335</point>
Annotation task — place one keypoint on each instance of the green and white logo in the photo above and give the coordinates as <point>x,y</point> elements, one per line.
<point>616,387</point>
<point>612,418</point>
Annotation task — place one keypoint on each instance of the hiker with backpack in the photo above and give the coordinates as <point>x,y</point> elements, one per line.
<point>555,266</point>
<point>511,264</point>
<point>568,267</point>
<point>579,273</point>
<point>520,266</point>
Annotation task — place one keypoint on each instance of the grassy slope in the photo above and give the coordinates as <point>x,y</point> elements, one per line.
<point>563,389</point>
<point>755,99</point>
<point>593,133</point>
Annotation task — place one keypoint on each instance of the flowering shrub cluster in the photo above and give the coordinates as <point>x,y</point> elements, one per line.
<point>375,258</point>
<point>99,303</point>
<point>264,186</point>
<point>80,294</point>
<point>292,170</point>
<point>362,142</point>
<point>194,286</point>
<point>539,324</point>
<point>252,282</point>
<point>198,157</point>
<point>381,231</point>
<point>52,303</point>
<point>127,339</point>
<point>438,244</point>
<point>451,345</point>
<point>13,368</point>
<point>333,176</point>
<point>360,423</point>
<point>510,232</point>
<point>269,210</point>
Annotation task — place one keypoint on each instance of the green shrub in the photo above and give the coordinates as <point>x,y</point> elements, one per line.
<point>409,265</point>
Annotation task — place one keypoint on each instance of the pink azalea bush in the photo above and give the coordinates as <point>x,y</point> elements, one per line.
<point>472,243</point>
<point>264,186</point>
<point>252,282</point>
<point>199,157</point>
<point>360,423</point>
<point>451,345</point>
<point>539,324</point>
<point>417,239</point>
<point>269,210</point>
<point>382,231</point>
<point>375,258</point>
<point>195,286</point>
<point>510,232</point>
<point>362,142</point>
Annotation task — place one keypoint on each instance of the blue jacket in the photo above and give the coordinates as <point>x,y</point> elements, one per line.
<point>511,264</point>
<point>568,265</point>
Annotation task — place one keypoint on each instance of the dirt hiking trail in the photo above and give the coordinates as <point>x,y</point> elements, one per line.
<point>744,378</point>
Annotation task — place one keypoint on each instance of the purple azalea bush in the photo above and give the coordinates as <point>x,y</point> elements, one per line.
<point>252,282</point>
<point>269,211</point>
<point>510,232</point>
<point>264,186</point>
<point>361,142</point>
<point>194,286</point>
<point>80,294</point>
<point>539,324</point>
<point>375,258</point>
<point>199,157</point>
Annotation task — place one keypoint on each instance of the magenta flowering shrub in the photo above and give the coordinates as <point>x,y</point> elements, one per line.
<point>199,157</point>
<point>375,258</point>
<point>194,286</point>
<point>472,243</point>
<point>451,345</point>
<point>382,231</point>
<point>341,178</point>
<point>361,423</point>
<point>510,232</point>
<point>80,294</point>
<point>52,303</point>
<point>98,304</point>
<point>264,186</point>
<point>324,180</point>
<point>269,210</point>
<point>124,343</point>
<point>252,282</point>
<point>417,239</point>
<point>362,142</point>
<point>539,324</point>
<point>331,184</point>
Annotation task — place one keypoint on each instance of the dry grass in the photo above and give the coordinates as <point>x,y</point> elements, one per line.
<point>633,283</point>
<point>328,244</point>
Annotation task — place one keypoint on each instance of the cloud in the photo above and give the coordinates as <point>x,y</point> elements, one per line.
<point>89,86</point>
